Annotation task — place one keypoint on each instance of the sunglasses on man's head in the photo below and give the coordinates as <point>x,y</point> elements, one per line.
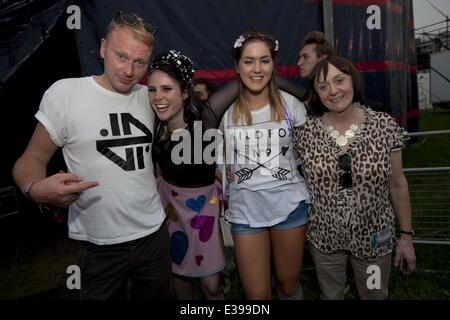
<point>345,164</point>
<point>132,20</point>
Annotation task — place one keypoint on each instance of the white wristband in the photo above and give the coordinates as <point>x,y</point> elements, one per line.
<point>27,189</point>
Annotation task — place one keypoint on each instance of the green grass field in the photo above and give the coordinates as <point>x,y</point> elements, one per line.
<point>430,151</point>
<point>36,263</point>
<point>37,269</point>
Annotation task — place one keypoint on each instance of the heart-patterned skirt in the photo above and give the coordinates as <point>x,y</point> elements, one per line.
<point>193,223</point>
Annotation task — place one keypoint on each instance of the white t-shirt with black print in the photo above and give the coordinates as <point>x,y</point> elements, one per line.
<point>105,137</point>
<point>267,186</point>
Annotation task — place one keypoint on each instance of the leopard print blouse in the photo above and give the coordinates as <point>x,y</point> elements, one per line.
<point>359,219</point>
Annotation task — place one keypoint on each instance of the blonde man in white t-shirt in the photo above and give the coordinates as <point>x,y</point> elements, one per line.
<point>104,126</point>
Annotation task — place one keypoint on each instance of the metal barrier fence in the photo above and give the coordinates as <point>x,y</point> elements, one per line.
<point>430,199</point>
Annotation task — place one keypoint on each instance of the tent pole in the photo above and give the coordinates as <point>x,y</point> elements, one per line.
<point>328,23</point>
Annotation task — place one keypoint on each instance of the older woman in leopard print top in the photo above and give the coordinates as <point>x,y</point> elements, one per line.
<point>352,163</point>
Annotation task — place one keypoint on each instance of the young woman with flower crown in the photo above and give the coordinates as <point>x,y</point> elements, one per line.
<point>267,197</point>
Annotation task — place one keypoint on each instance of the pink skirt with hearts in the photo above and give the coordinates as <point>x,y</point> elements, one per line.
<point>196,247</point>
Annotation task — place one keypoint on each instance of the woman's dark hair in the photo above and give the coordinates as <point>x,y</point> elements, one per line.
<point>315,106</point>
<point>192,106</point>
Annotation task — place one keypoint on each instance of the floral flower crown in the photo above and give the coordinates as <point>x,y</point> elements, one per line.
<point>261,36</point>
<point>179,61</point>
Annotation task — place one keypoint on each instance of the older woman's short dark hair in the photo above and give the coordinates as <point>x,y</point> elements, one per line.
<point>316,106</point>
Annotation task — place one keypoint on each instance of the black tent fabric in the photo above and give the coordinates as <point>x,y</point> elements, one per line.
<point>25,26</point>
<point>29,69</point>
<point>204,30</point>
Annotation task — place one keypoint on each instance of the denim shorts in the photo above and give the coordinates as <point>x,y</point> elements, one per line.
<point>296,218</point>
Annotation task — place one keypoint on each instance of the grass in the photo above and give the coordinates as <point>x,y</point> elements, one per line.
<point>34,261</point>
<point>36,269</point>
<point>431,151</point>
<point>36,251</point>
<point>431,281</point>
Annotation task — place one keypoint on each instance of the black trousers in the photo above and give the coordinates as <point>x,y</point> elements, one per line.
<point>140,269</point>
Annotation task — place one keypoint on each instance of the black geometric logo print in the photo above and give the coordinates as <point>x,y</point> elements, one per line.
<point>130,144</point>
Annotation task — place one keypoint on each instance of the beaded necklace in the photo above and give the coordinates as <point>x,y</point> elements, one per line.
<point>342,139</point>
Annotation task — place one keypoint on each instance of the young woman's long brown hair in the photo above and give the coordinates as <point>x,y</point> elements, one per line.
<point>241,108</point>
